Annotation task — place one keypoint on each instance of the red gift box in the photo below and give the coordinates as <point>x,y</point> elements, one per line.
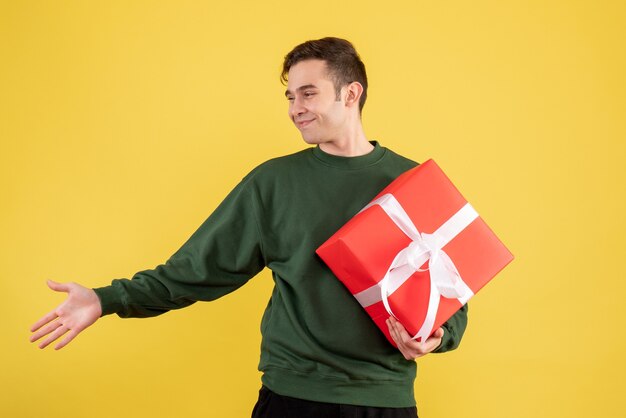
<point>418,252</point>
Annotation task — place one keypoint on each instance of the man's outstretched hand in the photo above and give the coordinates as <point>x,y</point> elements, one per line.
<point>410,348</point>
<point>80,310</point>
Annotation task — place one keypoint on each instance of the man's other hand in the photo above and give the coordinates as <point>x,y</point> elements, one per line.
<point>80,310</point>
<point>410,348</point>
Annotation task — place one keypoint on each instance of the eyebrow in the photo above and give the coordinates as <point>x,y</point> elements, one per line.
<point>306,86</point>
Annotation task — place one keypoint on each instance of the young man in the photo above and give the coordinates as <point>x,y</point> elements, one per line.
<point>321,355</point>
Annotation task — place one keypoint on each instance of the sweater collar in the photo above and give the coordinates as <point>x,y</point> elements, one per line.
<point>350,162</point>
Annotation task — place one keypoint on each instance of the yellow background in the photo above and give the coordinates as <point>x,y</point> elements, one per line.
<point>124,123</point>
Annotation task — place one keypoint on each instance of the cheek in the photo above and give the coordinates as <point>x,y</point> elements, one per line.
<point>335,116</point>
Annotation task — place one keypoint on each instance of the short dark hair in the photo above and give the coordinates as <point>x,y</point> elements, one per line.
<point>343,62</point>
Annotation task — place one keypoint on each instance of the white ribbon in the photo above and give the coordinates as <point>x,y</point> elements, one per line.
<point>445,279</point>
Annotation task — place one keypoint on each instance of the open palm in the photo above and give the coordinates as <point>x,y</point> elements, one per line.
<point>80,310</point>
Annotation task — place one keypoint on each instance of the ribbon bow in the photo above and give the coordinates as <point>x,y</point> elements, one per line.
<point>445,279</point>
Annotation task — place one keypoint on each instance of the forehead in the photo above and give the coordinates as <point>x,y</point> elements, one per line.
<point>308,72</point>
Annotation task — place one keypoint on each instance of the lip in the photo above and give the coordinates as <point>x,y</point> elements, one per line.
<point>303,123</point>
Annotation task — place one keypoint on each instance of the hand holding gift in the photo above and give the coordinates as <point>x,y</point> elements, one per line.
<point>408,346</point>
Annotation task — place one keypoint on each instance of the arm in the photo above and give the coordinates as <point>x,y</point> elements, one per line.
<point>222,255</point>
<point>454,329</point>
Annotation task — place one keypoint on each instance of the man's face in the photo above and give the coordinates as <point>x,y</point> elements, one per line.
<point>313,104</point>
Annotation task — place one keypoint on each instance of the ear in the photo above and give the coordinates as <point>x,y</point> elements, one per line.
<point>354,91</point>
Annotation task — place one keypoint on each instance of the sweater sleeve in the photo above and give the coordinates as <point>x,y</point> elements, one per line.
<point>453,331</point>
<point>221,256</point>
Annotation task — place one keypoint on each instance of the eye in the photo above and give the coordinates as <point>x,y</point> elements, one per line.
<point>309,94</point>
<point>290,99</point>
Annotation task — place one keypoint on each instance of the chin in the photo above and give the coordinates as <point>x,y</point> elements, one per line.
<point>311,140</point>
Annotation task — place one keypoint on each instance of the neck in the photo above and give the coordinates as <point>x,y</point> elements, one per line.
<point>353,144</point>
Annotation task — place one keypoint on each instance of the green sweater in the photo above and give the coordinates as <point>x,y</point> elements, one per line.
<point>318,343</point>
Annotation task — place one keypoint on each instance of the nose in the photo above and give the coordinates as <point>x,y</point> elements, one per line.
<point>296,108</point>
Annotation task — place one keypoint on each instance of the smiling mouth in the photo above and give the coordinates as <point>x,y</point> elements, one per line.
<point>303,123</point>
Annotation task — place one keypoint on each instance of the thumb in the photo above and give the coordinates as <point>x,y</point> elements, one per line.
<point>438,333</point>
<point>58,287</point>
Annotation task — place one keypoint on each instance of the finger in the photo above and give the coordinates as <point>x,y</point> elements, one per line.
<point>409,346</point>
<point>430,345</point>
<point>402,333</point>
<point>50,316</point>
<point>438,333</point>
<point>45,330</point>
<point>58,287</point>
<point>405,349</point>
<point>66,340</point>
<point>433,341</point>
<point>393,322</point>
<point>393,331</point>
<point>56,334</point>
<point>436,336</point>
<point>396,339</point>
